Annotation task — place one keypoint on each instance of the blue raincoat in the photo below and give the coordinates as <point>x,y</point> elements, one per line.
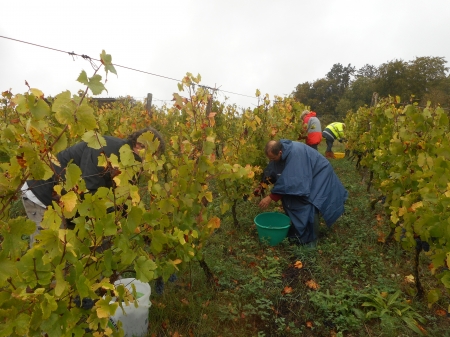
<point>308,183</point>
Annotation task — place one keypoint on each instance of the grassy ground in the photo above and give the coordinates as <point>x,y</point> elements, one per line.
<point>262,291</point>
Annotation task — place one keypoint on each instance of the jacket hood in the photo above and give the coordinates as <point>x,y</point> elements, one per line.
<point>287,148</point>
<point>311,114</point>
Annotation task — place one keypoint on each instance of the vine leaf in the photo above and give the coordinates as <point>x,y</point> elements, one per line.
<point>134,218</point>
<point>433,296</point>
<point>73,176</point>
<point>7,269</point>
<point>104,309</point>
<point>94,139</point>
<point>145,269</point>
<point>69,200</point>
<point>85,117</point>
<point>107,62</point>
<point>39,110</point>
<point>61,283</point>
<point>48,305</point>
<point>94,83</point>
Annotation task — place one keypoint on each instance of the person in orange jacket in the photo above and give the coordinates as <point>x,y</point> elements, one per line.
<point>313,128</point>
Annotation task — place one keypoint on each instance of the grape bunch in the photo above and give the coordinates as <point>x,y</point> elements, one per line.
<point>159,286</point>
<point>422,245</point>
<point>86,303</point>
<point>173,278</point>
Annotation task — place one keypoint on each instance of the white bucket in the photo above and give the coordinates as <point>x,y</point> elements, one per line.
<point>134,320</point>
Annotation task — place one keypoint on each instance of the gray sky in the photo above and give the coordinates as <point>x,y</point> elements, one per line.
<point>239,46</point>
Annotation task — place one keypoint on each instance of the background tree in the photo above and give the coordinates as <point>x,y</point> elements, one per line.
<point>426,74</point>
<point>345,89</point>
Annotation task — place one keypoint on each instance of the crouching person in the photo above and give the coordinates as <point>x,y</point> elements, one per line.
<point>307,185</point>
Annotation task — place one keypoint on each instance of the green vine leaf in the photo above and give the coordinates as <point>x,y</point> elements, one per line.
<point>107,62</point>
<point>94,139</point>
<point>145,269</point>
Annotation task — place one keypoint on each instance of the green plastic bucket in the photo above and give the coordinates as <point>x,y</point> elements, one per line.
<point>272,227</point>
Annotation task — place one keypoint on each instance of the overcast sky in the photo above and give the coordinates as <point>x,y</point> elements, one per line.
<point>239,46</point>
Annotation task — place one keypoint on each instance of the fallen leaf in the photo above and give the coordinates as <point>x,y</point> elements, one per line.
<point>298,265</point>
<point>422,329</point>
<point>441,312</point>
<point>309,324</point>
<point>384,294</point>
<point>176,334</point>
<point>409,279</point>
<point>312,285</point>
<point>431,268</point>
<point>185,301</point>
<point>286,290</point>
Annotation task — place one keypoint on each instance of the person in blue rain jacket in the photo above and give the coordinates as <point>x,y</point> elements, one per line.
<point>307,185</point>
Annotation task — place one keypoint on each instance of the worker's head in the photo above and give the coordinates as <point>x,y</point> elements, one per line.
<point>274,150</point>
<point>304,113</point>
<point>136,146</point>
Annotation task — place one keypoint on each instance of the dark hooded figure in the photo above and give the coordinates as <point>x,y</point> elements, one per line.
<point>307,185</point>
<point>37,195</point>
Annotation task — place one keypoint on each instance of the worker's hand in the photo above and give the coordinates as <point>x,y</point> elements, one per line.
<point>265,202</point>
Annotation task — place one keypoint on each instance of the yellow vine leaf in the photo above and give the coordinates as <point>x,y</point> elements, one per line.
<point>69,200</point>
<point>37,92</point>
<point>416,205</point>
<point>402,211</point>
<point>214,223</point>
<point>209,196</point>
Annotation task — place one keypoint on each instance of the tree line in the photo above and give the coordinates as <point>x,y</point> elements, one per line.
<point>345,88</point>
